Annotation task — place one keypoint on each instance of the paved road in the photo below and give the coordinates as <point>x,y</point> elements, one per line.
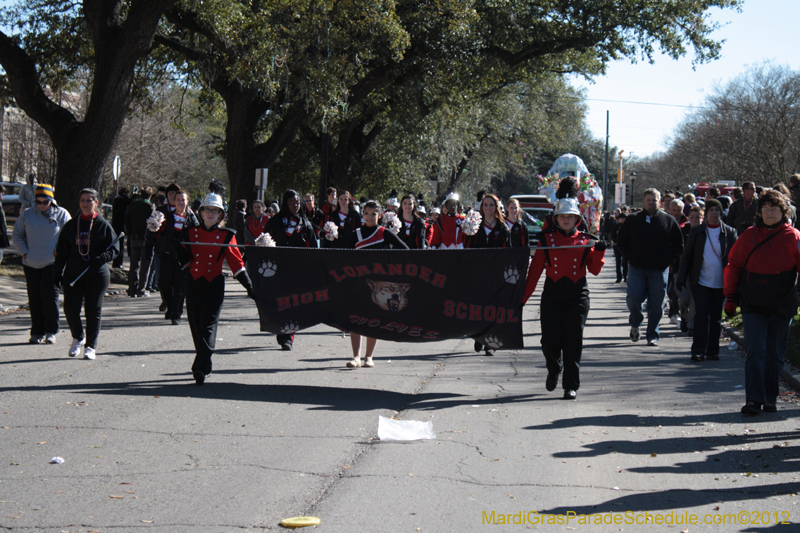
<point>276,434</point>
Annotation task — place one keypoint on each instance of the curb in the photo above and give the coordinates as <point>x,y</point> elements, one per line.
<point>786,376</point>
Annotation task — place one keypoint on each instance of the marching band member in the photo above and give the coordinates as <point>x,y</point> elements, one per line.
<point>371,235</point>
<point>83,251</point>
<point>290,228</point>
<point>205,287</point>
<point>447,228</point>
<point>565,298</point>
<point>412,229</point>
<point>255,223</point>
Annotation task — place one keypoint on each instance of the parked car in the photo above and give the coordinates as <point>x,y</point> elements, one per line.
<point>11,203</point>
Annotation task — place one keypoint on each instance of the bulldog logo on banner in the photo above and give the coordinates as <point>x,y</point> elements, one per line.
<point>394,295</point>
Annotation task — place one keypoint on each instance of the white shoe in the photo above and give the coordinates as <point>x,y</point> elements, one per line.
<point>368,362</point>
<point>50,339</point>
<point>76,346</point>
<point>673,319</point>
<point>355,362</point>
<point>88,353</point>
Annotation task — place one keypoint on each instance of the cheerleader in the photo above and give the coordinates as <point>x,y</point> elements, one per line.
<point>205,286</point>
<point>83,251</point>
<point>290,228</point>
<point>171,275</point>
<point>346,219</point>
<point>518,231</point>
<point>492,233</point>
<point>412,229</point>
<point>565,298</point>
<point>373,236</point>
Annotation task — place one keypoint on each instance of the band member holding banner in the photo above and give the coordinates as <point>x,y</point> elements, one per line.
<point>85,246</point>
<point>205,287</point>
<point>492,232</point>
<point>565,298</point>
<point>290,228</point>
<point>346,219</point>
<point>412,229</point>
<point>373,236</point>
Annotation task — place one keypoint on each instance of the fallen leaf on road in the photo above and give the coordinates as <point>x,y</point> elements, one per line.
<point>146,521</point>
<point>116,497</point>
<point>653,455</point>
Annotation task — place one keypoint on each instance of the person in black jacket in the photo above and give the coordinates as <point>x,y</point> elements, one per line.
<point>619,259</point>
<point>118,211</point>
<point>172,275</point>
<point>412,227</point>
<point>346,218</point>
<point>290,228</point>
<point>82,254</point>
<point>651,240</point>
<point>518,231</point>
<point>702,265</point>
<point>140,255</point>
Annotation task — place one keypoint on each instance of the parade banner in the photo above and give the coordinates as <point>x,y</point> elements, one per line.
<point>395,295</point>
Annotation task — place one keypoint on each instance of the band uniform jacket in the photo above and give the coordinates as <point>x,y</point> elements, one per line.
<point>206,261</point>
<point>570,263</point>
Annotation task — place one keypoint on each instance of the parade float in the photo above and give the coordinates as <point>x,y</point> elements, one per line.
<point>590,196</point>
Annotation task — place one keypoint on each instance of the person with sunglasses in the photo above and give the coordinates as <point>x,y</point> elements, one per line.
<point>35,236</point>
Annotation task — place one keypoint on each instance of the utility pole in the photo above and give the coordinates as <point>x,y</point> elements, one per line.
<point>605,167</point>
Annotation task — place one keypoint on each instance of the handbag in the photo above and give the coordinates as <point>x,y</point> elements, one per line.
<point>766,290</point>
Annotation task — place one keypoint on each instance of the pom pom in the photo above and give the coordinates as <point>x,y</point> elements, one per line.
<point>331,231</point>
<point>567,188</point>
<point>391,222</point>
<point>155,221</point>
<point>471,223</point>
<point>265,240</point>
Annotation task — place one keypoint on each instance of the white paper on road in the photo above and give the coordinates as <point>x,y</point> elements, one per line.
<point>389,429</point>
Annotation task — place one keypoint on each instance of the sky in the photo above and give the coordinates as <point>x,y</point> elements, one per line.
<point>764,30</point>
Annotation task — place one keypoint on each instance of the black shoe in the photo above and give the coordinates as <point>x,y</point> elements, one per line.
<point>478,347</point>
<point>619,280</point>
<point>751,408</point>
<point>570,394</point>
<point>697,358</point>
<point>684,326</point>
<point>287,346</point>
<point>551,383</point>
<point>769,408</point>
<point>162,307</point>
<point>489,351</point>
<point>199,377</point>
<point>176,321</point>
<point>714,357</point>
<point>690,332</point>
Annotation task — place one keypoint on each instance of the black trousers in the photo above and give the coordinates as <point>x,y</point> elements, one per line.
<point>565,306</point>
<point>43,300</point>
<point>622,264</point>
<point>203,305</point>
<point>172,283</point>
<point>140,258</point>
<point>88,293</point>
<point>117,263</point>
<point>708,304</point>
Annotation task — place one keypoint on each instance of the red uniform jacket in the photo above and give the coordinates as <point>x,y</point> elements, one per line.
<point>571,263</point>
<point>206,261</point>
<point>447,232</point>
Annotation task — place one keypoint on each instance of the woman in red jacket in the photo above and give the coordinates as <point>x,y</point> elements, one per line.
<point>765,256</point>
<point>565,298</point>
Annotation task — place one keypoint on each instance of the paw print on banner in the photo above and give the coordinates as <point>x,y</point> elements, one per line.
<point>267,269</point>
<point>511,274</point>
<point>493,342</point>
<point>290,328</point>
